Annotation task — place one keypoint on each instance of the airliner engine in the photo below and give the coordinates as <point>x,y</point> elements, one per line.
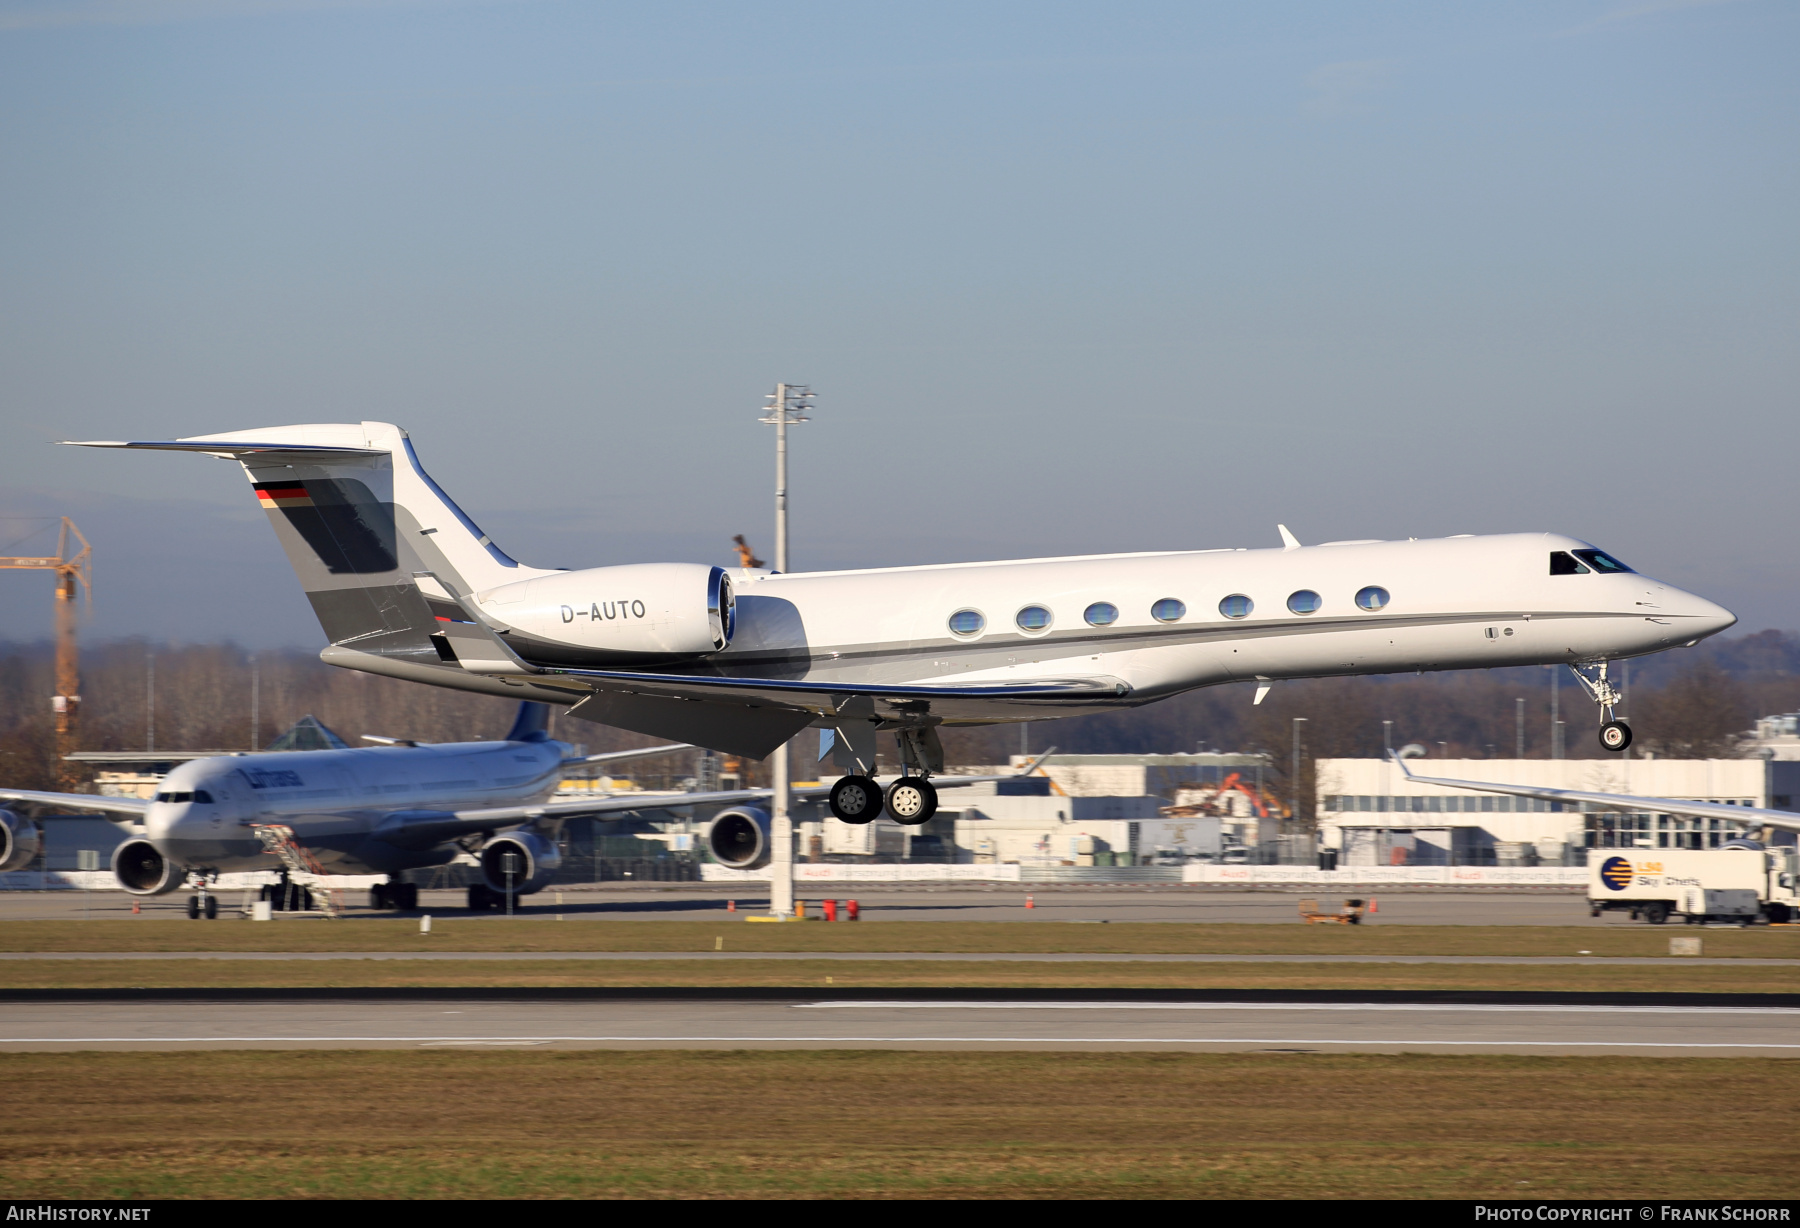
<point>141,870</point>
<point>20,841</point>
<point>534,860</point>
<point>739,838</point>
<point>649,612</point>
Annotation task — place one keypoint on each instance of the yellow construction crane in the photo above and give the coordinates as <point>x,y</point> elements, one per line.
<point>66,703</point>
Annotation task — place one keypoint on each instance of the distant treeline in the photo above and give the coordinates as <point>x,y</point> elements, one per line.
<point>1690,702</point>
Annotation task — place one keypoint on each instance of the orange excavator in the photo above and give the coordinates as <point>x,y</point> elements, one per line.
<point>746,556</point>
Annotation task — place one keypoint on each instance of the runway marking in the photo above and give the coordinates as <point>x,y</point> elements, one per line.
<point>1471,1007</point>
<point>1008,1040</point>
<point>443,1044</point>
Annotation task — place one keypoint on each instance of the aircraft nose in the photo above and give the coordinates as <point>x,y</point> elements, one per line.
<point>1705,617</point>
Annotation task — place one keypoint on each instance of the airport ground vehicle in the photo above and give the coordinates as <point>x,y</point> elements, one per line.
<point>1742,884</point>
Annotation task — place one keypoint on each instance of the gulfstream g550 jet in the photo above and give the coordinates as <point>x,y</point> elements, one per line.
<point>406,585</point>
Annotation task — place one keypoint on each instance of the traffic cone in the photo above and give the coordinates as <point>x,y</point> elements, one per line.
<point>1374,905</point>
<point>136,908</point>
<point>1029,902</point>
<point>730,905</point>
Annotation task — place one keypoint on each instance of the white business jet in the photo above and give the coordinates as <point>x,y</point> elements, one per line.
<point>406,585</point>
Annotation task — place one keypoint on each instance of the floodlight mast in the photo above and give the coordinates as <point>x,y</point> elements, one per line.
<point>787,404</point>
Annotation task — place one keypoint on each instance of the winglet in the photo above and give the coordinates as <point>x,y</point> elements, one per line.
<point>1288,540</point>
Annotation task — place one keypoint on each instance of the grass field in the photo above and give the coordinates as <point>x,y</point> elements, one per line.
<point>891,1124</point>
<point>549,936</point>
<point>533,974</point>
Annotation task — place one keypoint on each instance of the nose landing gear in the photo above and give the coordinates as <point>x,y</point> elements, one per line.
<point>1615,734</point>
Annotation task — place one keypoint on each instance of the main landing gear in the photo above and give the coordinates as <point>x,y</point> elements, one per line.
<point>861,799</point>
<point>401,897</point>
<point>911,800</point>
<point>1615,734</point>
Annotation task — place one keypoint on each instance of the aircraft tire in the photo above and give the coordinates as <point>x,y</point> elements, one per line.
<point>480,898</point>
<point>406,896</point>
<point>856,799</point>
<point>1615,736</point>
<point>379,897</point>
<point>193,908</point>
<point>911,800</point>
<point>211,908</point>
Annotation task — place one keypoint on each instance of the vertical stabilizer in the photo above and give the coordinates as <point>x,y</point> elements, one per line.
<point>380,549</point>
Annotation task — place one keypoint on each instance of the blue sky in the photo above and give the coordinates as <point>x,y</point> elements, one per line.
<point>1066,277</point>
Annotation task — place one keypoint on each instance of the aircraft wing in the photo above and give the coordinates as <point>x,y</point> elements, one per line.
<point>427,830</point>
<point>625,756</point>
<point>117,808</point>
<point>1787,820</point>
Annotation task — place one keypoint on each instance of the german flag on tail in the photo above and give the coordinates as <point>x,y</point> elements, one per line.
<point>283,495</point>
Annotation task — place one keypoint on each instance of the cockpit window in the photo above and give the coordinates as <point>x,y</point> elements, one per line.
<point>175,797</point>
<point>203,797</point>
<point>1562,563</point>
<point>1600,561</point>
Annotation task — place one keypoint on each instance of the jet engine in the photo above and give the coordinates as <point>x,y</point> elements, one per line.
<point>20,841</point>
<point>739,838</point>
<point>609,616</point>
<point>141,870</point>
<point>535,860</point>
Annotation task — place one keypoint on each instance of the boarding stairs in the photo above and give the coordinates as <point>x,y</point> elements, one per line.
<point>301,866</point>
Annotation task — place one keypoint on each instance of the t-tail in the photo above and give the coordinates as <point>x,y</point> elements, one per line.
<point>383,553</point>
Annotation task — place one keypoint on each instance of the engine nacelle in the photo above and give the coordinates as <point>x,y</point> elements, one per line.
<point>536,859</point>
<point>739,838</point>
<point>616,615</point>
<point>20,841</point>
<point>142,870</point>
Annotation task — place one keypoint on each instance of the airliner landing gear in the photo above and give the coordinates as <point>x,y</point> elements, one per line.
<point>1615,734</point>
<point>856,799</point>
<point>203,904</point>
<point>911,800</point>
<point>402,897</point>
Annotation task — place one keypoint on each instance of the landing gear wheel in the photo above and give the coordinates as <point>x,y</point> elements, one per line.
<point>211,908</point>
<point>1615,735</point>
<point>481,898</point>
<point>380,896</point>
<point>406,896</point>
<point>856,799</point>
<point>193,908</point>
<point>911,800</point>
<point>1656,912</point>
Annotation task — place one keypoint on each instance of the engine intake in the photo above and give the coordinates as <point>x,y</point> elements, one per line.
<point>142,870</point>
<point>21,841</point>
<point>535,861</point>
<point>739,838</point>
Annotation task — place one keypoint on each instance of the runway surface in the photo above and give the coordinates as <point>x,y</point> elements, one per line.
<point>879,903</point>
<point>1037,957</point>
<point>976,1022</point>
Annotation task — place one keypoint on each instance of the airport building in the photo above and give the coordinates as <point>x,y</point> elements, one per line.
<point>1371,814</point>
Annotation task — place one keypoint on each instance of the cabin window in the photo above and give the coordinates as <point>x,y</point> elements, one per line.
<point>1562,563</point>
<point>1372,598</point>
<point>1168,610</point>
<point>967,622</point>
<point>1236,606</point>
<point>1101,614</point>
<point>1305,602</point>
<point>1033,618</point>
<point>1600,561</point>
